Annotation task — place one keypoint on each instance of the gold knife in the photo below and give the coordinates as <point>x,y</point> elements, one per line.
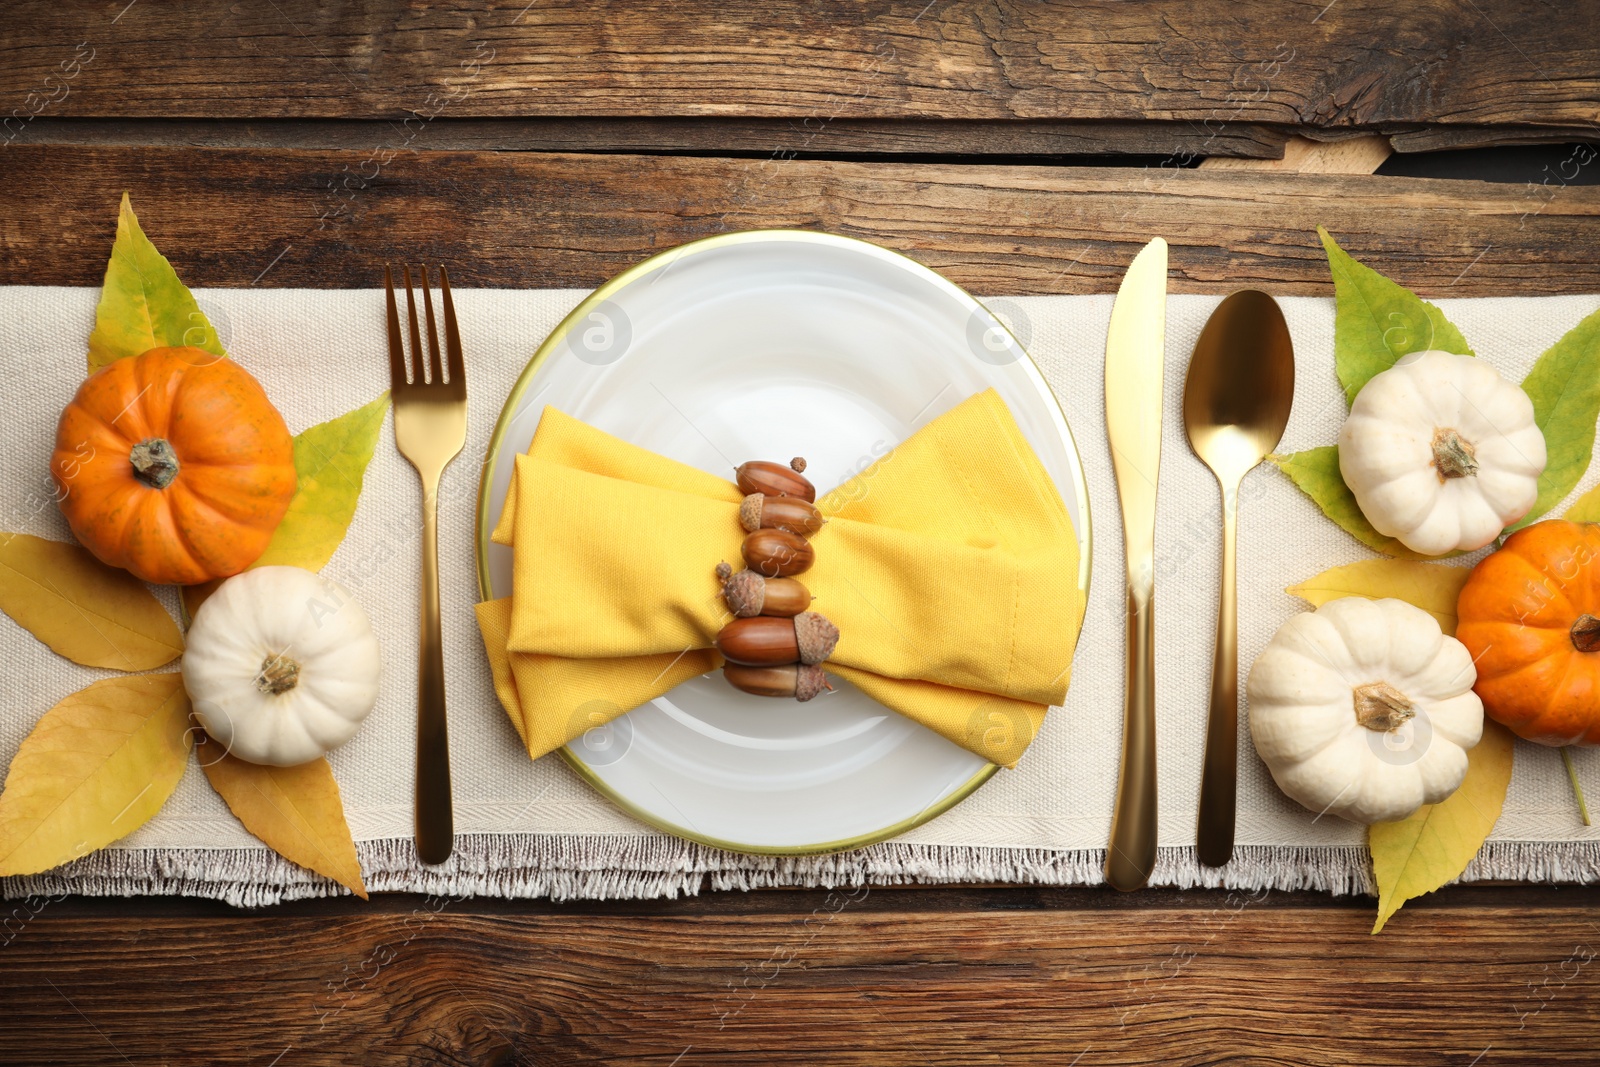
<point>1135,353</point>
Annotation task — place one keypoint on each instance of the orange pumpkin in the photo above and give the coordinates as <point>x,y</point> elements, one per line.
<point>1530,616</point>
<point>173,465</point>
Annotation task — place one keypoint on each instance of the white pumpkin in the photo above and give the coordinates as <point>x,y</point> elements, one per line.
<point>1364,709</point>
<point>1441,452</point>
<point>281,665</point>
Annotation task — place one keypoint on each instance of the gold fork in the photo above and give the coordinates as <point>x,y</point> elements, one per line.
<point>430,426</point>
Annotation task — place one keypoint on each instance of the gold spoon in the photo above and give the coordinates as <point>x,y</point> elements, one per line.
<point>1236,403</point>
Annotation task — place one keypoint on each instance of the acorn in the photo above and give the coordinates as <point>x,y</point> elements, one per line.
<point>765,641</point>
<point>799,680</point>
<point>774,479</point>
<point>749,593</point>
<point>790,513</point>
<point>777,553</point>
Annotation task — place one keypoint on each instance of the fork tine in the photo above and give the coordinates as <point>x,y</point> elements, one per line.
<point>452,335</point>
<point>435,374</point>
<point>397,351</point>
<point>418,363</point>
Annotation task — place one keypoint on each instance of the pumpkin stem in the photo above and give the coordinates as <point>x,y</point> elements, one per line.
<point>1586,633</point>
<point>1382,707</point>
<point>278,675</point>
<point>1453,455</point>
<point>154,462</point>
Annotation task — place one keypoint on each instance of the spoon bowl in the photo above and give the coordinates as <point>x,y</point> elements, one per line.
<point>1236,402</point>
<point>1240,386</point>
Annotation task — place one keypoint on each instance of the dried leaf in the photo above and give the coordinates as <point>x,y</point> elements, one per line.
<point>192,596</point>
<point>295,810</point>
<point>331,459</point>
<point>1376,321</point>
<point>88,612</point>
<point>1586,508</point>
<point>143,305</point>
<point>1316,472</point>
<point>96,767</point>
<point>1434,845</point>
<point>1433,587</point>
<point>1564,386</point>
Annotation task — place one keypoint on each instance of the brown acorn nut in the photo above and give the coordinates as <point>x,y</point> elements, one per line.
<point>764,641</point>
<point>780,513</point>
<point>777,553</point>
<point>774,479</point>
<point>748,593</point>
<point>799,680</point>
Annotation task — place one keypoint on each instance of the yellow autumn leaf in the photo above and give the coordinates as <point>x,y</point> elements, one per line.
<point>96,767</point>
<point>331,460</point>
<point>143,305</point>
<point>1434,845</point>
<point>88,612</point>
<point>295,810</point>
<point>1433,587</point>
<point>1586,508</point>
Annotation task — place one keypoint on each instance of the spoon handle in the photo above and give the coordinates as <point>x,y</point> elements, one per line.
<point>1219,777</point>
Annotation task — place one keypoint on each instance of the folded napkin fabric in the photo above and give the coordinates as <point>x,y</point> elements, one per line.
<point>950,567</point>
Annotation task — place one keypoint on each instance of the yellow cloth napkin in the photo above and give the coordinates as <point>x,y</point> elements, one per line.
<point>950,567</point>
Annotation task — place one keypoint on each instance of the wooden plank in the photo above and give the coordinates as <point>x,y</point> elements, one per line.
<point>329,219</point>
<point>1444,138</point>
<point>1179,143</point>
<point>852,977</point>
<point>1348,64</point>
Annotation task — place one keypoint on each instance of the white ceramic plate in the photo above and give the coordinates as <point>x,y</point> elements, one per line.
<point>761,345</point>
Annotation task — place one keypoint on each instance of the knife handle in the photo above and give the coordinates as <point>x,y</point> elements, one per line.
<point>1219,776</point>
<point>1132,853</point>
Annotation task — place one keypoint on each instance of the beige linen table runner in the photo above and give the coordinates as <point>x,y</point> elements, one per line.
<point>535,829</point>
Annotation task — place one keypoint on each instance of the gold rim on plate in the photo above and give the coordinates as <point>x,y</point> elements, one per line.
<point>661,261</point>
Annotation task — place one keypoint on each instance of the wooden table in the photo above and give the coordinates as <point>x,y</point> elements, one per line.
<point>1017,147</point>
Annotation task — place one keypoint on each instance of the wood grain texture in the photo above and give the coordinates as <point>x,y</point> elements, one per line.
<point>330,219</point>
<point>852,977</point>
<point>1355,63</point>
<point>1177,142</point>
<point>1444,138</point>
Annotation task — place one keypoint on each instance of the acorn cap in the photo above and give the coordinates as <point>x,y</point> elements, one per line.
<point>745,593</point>
<point>815,636</point>
<point>809,680</point>
<point>750,512</point>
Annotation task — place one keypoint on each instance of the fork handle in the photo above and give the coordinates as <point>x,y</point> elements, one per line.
<point>435,823</point>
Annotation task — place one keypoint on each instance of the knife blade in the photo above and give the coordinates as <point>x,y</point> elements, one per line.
<point>1135,355</point>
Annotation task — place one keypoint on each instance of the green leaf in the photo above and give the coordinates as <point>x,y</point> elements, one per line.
<point>331,459</point>
<point>1435,843</point>
<point>1377,321</point>
<point>1564,386</point>
<point>1586,508</point>
<point>143,305</point>
<point>1316,472</point>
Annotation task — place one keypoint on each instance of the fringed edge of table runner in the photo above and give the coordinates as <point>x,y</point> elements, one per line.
<point>625,866</point>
